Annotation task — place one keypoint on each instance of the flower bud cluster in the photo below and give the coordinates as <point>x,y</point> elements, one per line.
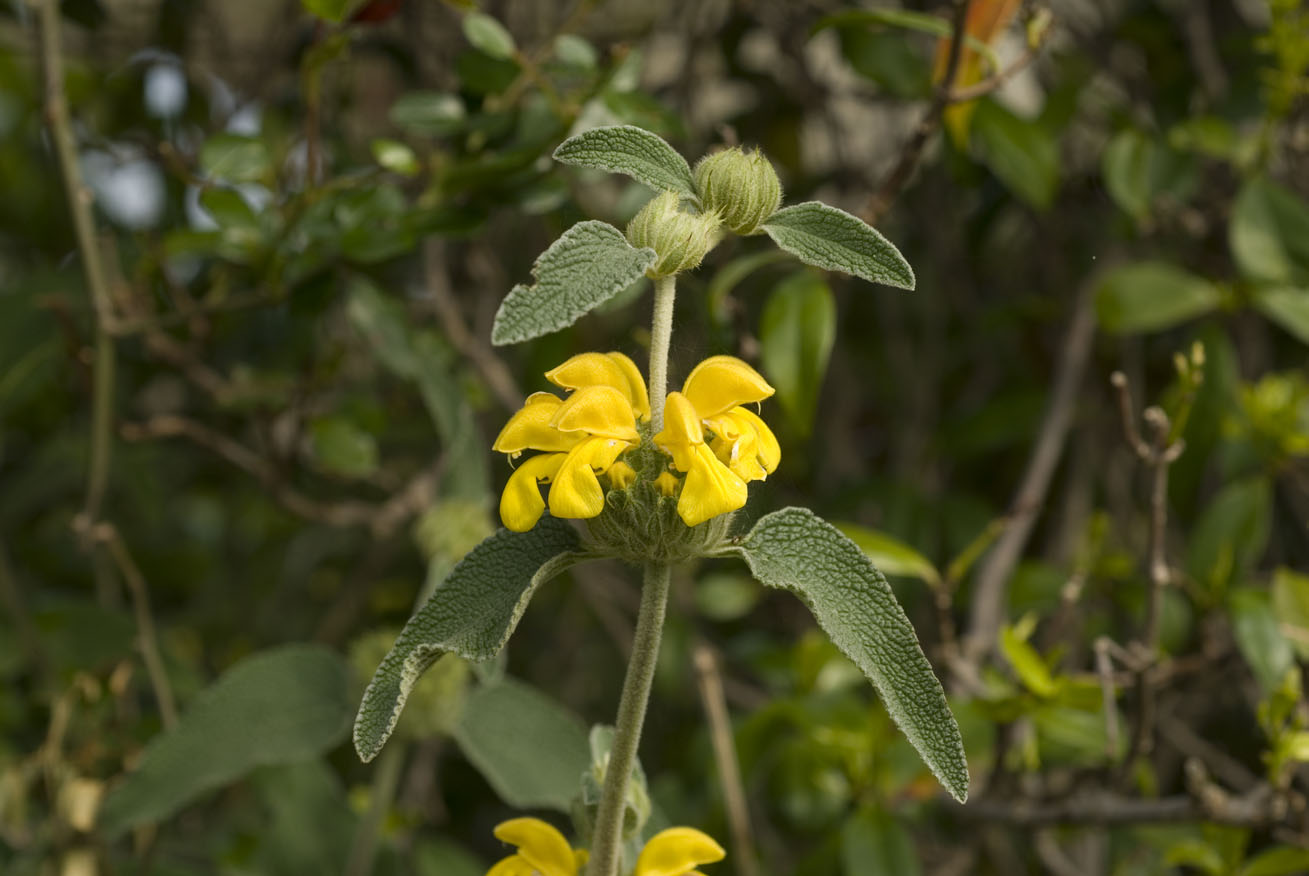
<point>679,238</point>
<point>741,187</point>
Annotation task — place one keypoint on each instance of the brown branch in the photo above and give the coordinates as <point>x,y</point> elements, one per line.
<point>381,519</point>
<point>1039,29</point>
<point>1258,809</point>
<point>709,680</point>
<point>484,359</point>
<point>912,152</point>
<point>991,588</point>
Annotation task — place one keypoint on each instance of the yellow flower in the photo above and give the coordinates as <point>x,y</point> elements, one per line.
<point>676,852</point>
<point>542,850</point>
<point>742,447</point>
<point>582,436</point>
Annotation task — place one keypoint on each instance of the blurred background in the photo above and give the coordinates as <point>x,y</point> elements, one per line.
<point>247,397</point>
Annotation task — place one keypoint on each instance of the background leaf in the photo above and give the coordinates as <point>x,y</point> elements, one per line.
<point>280,706</point>
<point>796,334</point>
<point>1149,296</point>
<point>489,35</point>
<point>1269,233</point>
<point>794,550</point>
<point>1018,151</point>
<point>531,749</point>
<point>874,843</point>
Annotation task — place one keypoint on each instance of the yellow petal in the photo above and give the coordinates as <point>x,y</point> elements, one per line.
<point>710,489</point>
<point>597,410</point>
<point>666,483</point>
<point>576,491</point>
<point>589,369</point>
<point>770,452</point>
<point>719,383</point>
<point>676,852</point>
<point>529,428</point>
<point>514,865</point>
<point>540,844</point>
<point>621,475</point>
<point>521,504</point>
<point>681,432</point>
<point>745,444</point>
<point>635,383</point>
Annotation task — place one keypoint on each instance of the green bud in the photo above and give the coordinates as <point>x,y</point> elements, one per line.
<point>679,239</point>
<point>741,186</point>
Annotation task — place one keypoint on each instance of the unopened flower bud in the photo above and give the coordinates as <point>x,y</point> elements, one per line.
<point>679,239</point>
<point>741,186</point>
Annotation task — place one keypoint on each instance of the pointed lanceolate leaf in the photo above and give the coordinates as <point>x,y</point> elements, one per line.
<point>283,705</point>
<point>589,264</point>
<point>795,550</point>
<point>472,613</point>
<point>832,239</point>
<point>644,156</point>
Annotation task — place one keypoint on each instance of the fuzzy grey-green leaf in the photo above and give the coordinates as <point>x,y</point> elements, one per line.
<point>284,705</point>
<point>832,239</point>
<point>471,613</point>
<point>589,264</point>
<point>795,550</point>
<point>644,156</point>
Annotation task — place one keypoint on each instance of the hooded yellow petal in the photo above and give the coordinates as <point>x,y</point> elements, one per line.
<point>521,504</point>
<point>635,384</point>
<point>710,489</point>
<point>621,475</point>
<point>529,428</point>
<point>719,383</point>
<point>682,430</point>
<point>597,410</point>
<point>770,452</point>
<point>514,865</point>
<point>576,491</point>
<point>745,444</point>
<point>666,483</point>
<point>540,844</point>
<point>589,369</point>
<point>676,852</point>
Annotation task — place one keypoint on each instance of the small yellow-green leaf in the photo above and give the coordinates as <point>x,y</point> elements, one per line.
<point>489,35</point>
<point>1027,663</point>
<point>891,555</point>
<point>395,156</point>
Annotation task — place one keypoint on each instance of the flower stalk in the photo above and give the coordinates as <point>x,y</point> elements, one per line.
<point>607,841</point>
<point>661,332</point>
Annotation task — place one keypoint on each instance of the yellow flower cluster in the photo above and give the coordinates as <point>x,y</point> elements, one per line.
<point>718,444</point>
<point>544,851</point>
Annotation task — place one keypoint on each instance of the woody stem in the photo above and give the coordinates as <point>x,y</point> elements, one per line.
<point>661,331</point>
<point>607,840</point>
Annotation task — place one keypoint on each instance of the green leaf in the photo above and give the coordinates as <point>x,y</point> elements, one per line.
<point>235,158</point>
<point>874,843</point>
<point>1150,296</point>
<point>1291,603</point>
<point>1027,663</point>
<point>528,747</point>
<point>644,156</point>
<point>395,156</point>
<point>428,112</point>
<point>1195,853</point>
<point>890,555</point>
<point>1269,234</point>
<point>228,208</point>
<point>832,239</point>
<point>341,447</point>
<point>1232,533</point>
<point>574,51</point>
<point>1259,637</point>
<point>472,613</point>
<point>1138,169</point>
<point>589,264</point>
<point>1278,861</point>
<point>489,35</point>
<point>280,706</point>
<point>1286,306</point>
<point>795,550</point>
<point>796,335</point>
<point>1020,152</point>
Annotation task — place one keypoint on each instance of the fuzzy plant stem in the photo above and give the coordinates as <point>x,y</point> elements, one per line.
<point>607,840</point>
<point>661,331</point>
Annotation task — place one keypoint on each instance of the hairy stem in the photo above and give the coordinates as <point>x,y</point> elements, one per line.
<point>661,331</point>
<point>607,841</point>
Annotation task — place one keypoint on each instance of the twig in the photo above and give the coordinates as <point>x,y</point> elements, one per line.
<point>1188,742</point>
<point>1036,40</point>
<point>107,534</point>
<point>912,152</point>
<point>1104,670</point>
<point>1256,810</point>
<point>710,682</point>
<point>381,519</point>
<point>488,364</point>
<point>991,588</point>
<point>1053,857</point>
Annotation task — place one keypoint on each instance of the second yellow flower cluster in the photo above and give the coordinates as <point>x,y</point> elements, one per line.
<point>718,444</point>
<point>543,851</point>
